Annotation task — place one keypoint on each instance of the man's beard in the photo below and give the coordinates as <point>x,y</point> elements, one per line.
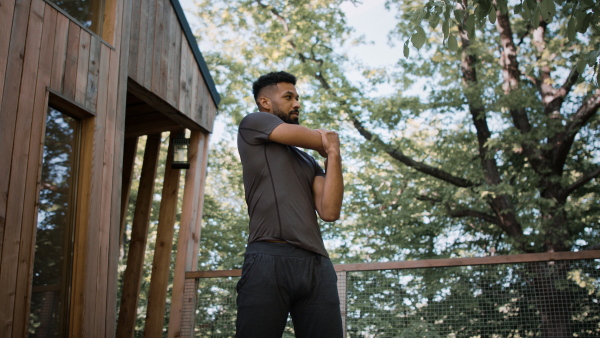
<point>286,116</point>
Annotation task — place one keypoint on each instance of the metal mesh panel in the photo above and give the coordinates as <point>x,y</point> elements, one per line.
<point>542,299</point>
<point>188,312</point>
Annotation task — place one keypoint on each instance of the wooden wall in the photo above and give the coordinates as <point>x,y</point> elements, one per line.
<point>45,57</point>
<point>162,60</point>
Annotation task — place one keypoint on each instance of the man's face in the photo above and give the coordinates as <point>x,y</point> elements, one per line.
<point>284,103</point>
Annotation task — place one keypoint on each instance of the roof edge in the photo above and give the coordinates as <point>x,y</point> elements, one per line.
<point>197,54</point>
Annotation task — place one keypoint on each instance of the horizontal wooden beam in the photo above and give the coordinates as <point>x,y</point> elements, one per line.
<point>164,107</point>
<point>430,263</point>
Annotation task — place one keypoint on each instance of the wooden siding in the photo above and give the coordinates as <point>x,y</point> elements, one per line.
<point>48,59</point>
<point>45,58</point>
<point>162,61</point>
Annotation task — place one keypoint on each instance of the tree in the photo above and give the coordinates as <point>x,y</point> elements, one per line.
<point>497,153</point>
<point>507,145</point>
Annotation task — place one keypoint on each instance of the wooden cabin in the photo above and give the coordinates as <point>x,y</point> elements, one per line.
<point>80,82</point>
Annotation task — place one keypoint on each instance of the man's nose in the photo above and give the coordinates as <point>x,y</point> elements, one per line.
<point>296,104</point>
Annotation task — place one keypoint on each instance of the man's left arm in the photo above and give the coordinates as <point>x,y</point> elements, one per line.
<point>328,191</point>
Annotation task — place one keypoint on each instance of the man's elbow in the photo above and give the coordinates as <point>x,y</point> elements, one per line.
<point>330,216</point>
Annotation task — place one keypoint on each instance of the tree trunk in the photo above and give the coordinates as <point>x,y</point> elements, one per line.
<point>551,298</point>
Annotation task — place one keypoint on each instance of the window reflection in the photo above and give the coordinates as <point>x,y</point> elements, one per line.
<point>88,12</point>
<point>54,237</point>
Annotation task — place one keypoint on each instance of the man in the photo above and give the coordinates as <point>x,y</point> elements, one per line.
<point>286,267</point>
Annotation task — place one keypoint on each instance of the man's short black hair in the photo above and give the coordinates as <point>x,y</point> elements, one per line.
<point>271,79</point>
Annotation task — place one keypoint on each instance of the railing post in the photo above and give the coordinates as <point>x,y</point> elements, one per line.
<point>188,311</point>
<point>343,294</point>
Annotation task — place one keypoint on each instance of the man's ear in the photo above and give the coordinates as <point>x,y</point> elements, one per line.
<point>265,103</point>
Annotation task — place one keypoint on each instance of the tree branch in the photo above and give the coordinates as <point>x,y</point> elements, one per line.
<point>398,155</point>
<point>580,182</point>
<point>464,212</point>
<point>459,213</point>
<point>563,141</point>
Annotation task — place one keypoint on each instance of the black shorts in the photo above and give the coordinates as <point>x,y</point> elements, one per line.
<point>279,278</point>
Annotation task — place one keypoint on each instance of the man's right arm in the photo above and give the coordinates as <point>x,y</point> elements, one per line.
<point>298,136</point>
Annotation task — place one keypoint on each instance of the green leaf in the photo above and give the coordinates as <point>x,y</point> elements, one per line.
<point>418,39</point>
<point>492,17</point>
<point>586,23</point>
<point>580,16</point>
<point>571,29</point>
<point>452,43</point>
<point>459,15</point>
<point>547,9</point>
<point>434,21</point>
<point>518,8</point>
<point>446,29</point>
<point>531,4</point>
<point>406,49</point>
<point>482,10</point>
<point>581,66</point>
<point>470,25</point>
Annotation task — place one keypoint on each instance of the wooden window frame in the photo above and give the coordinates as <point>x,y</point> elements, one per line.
<point>75,111</point>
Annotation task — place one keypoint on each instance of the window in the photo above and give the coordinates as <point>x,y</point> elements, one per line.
<point>90,13</point>
<point>54,238</point>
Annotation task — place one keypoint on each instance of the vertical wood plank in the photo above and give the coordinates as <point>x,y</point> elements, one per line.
<point>156,51</point>
<point>151,28</point>
<point>80,305</point>
<point>164,53</point>
<point>34,166</point>
<point>110,24</point>
<point>142,40</point>
<point>202,94</point>
<point>70,77</point>
<point>119,67</point>
<point>137,244</point>
<point>8,114</point>
<point>134,35</point>
<point>6,17</point>
<point>59,53</point>
<point>159,283</point>
<point>92,87</point>
<point>191,195</point>
<point>83,64</point>
<point>13,268</point>
<point>174,60</point>
<point>186,79</point>
<point>93,200</point>
<point>194,113</point>
<point>104,108</point>
<point>197,229</point>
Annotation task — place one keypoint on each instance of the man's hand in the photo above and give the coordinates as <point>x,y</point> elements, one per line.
<point>331,143</point>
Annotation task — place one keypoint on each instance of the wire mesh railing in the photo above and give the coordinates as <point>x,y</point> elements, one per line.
<point>536,295</point>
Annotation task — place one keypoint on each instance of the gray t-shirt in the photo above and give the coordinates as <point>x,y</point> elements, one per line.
<point>278,181</point>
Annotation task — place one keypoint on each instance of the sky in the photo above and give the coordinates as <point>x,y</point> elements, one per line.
<point>370,19</point>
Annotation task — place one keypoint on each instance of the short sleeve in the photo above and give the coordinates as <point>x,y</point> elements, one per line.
<point>318,170</point>
<point>255,128</point>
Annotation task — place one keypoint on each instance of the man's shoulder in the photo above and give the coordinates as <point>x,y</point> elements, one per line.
<point>259,117</point>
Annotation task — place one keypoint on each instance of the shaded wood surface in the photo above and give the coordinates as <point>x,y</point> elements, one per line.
<point>48,59</point>
<point>132,277</point>
<point>161,264</point>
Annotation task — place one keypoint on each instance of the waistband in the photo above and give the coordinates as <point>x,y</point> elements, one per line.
<point>279,249</point>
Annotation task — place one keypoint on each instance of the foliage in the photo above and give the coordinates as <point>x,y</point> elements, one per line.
<point>496,153</point>
<point>225,219</point>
